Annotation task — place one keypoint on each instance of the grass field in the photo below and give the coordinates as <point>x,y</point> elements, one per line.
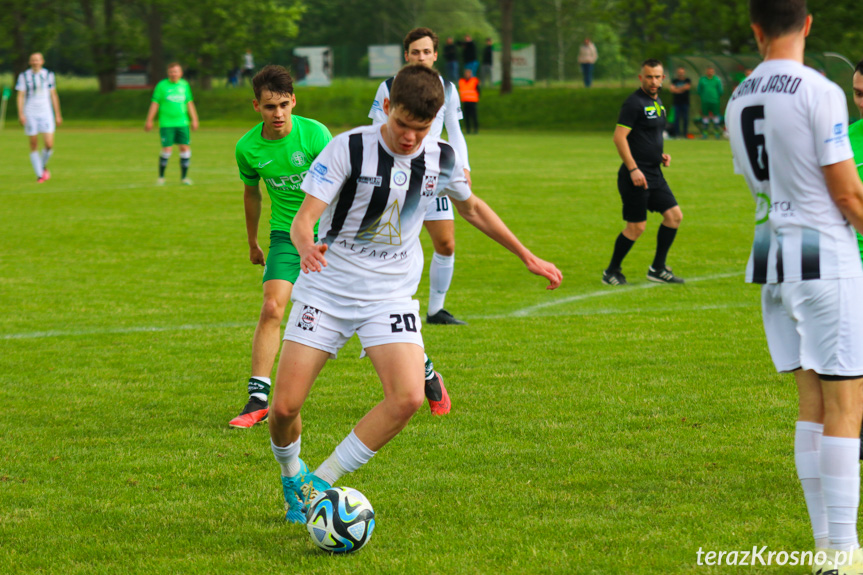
<point>593,430</point>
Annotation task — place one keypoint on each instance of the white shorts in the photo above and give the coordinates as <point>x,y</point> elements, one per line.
<point>440,208</point>
<point>375,324</point>
<point>815,324</point>
<point>39,125</point>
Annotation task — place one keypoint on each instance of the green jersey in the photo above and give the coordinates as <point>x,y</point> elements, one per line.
<point>282,164</point>
<point>173,99</point>
<point>855,135</point>
<point>710,89</point>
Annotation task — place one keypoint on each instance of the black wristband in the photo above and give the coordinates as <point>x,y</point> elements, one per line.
<point>633,169</point>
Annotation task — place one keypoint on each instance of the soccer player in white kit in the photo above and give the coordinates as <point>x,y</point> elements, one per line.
<point>39,112</point>
<point>420,46</point>
<point>370,189</point>
<point>789,136</point>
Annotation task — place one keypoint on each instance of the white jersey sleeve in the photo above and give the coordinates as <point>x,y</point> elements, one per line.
<point>329,171</point>
<point>377,112</point>
<point>457,187</point>
<point>829,123</point>
<point>452,115</point>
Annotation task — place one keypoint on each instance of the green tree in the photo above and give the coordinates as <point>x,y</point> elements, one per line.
<point>27,26</point>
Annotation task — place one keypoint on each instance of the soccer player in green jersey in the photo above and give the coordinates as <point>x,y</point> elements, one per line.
<point>710,91</point>
<point>278,150</point>
<point>855,135</point>
<point>172,100</point>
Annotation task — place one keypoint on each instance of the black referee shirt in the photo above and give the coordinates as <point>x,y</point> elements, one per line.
<point>646,118</point>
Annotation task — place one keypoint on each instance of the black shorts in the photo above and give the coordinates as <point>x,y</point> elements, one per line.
<point>637,201</point>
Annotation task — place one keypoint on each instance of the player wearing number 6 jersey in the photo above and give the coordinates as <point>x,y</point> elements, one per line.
<point>788,129</point>
<point>370,188</point>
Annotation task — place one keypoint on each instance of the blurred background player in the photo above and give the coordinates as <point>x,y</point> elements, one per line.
<point>642,187</point>
<point>38,112</point>
<point>278,150</point>
<point>420,46</point>
<point>361,277</point>
<point>787,126</point>
<point>172,100</point>
<point>855,132</point>
<point>710,91</point>
<point>468,91</point>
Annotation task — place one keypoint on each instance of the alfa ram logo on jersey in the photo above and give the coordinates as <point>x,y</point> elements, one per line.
<point>309,318</point>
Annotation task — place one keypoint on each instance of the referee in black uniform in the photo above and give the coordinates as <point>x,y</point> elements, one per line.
<point>642,187</point>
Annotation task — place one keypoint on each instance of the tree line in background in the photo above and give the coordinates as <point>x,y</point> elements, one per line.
<point>209,37</point>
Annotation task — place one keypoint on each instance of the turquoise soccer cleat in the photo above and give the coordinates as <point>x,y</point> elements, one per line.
<point>294,495</point>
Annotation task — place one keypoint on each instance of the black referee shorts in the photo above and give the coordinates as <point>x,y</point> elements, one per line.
<point>637,201</point>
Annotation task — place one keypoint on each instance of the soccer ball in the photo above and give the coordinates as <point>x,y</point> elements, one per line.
<point>340,520</point>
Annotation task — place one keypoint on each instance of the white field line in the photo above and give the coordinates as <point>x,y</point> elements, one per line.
<point>534,310</point>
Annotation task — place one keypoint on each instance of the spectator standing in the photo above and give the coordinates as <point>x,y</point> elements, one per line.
<point>248,65</point>
<point>468,89</point>
<point>587,57</point>
<point>487,61</point>
<point>468,54</point>
<point>450,56</point>
<point>680,87</point>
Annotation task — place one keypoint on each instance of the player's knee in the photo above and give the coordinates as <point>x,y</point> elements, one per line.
<point>407,404</point>
<point>284,413</point>
<point>445,247</point>
<point>272,310</point>
<point>673,217</point>
<point>635,229</point>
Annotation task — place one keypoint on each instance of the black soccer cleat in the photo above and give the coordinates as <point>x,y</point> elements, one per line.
<point>256,411</point>
<point>615,278</point>
<point>443,317</point>
<point>663,276</point>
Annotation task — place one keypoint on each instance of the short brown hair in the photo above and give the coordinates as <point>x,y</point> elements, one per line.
<point>418,90</point>
<point>274,78</point>
<point>418,33</point>
<point>778,17</point>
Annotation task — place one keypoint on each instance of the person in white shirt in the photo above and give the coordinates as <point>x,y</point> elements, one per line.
<point>39,112</point>
<point>370,189</point>
<point>789,138</point>
<point>420,46</point>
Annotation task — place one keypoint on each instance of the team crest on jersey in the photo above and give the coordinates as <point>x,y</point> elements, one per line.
<point>309,318</point>
<point>298,159</point>
<point>429,185</point>
<point>399,180</point>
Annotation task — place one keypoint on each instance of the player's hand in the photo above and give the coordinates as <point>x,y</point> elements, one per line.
<point>58,119</point>
<point>194,125</point>
<point>638,179</point>
<point>148,126</point>
<point>666,160</point>
<point>256,256</point>
<point>467,177</point>
<point>547,270</point>
<point>22,119</point>
<point>313,260</point>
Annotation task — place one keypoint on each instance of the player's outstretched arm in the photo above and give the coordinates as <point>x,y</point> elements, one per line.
<point>846,189</point>
<point>476,212</point>
<point>303,235</point>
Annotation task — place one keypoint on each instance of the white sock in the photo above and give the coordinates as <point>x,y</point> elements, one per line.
<point>840,482</point>
<point>36,161</point>
<point>261,396</point>
<point>440,277</point>
<point>350,455</point>
<point>807,449</point>
<point>288,457</point>
<point>46,155</point>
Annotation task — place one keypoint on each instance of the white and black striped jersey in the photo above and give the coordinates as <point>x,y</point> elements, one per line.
<point>448,116</point>
<point>786,121</point>
<point>376,201</point>
<point>37,91</point>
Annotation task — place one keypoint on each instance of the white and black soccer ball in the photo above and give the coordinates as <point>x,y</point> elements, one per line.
<point>340,520</point>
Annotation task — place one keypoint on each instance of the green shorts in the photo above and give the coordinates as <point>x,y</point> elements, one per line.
<point>178,135</point>
<point>708,107</point>
<point>283,260</point>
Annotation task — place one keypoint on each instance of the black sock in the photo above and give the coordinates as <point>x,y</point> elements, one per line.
<point>163,163</point>
<point>184,167</point>
<point>664,239</point>
<point>622,245</point>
